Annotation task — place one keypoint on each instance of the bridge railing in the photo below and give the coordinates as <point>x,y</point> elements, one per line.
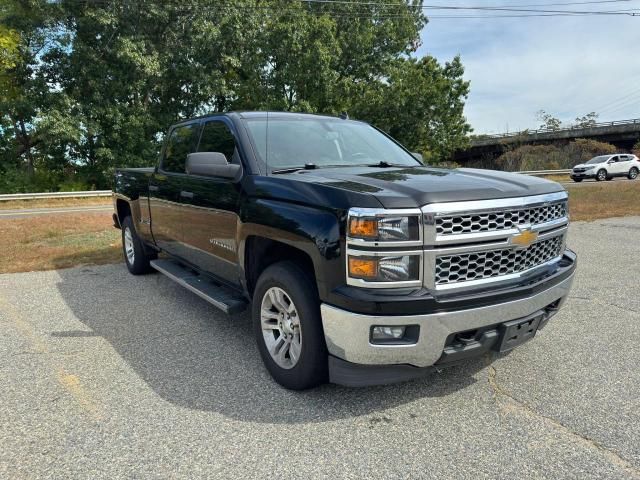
<point>633,121</point>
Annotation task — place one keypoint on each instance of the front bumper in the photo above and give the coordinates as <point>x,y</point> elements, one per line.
<point>585,174</point>
<point>347,334</point>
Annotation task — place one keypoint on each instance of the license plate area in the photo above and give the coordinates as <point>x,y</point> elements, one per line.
<point>516,332</point>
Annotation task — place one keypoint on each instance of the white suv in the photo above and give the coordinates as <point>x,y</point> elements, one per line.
<point>605,167</point>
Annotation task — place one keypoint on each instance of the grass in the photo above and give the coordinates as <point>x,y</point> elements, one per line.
<point>55,202</point>
<point>610,199</point>
<point>46,242</point>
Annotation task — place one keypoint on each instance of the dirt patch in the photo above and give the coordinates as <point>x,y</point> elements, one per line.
<point>611,199</point>
<point>47,242</point>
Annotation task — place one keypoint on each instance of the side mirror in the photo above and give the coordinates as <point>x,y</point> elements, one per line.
<point>417,156</point>
<point>211,164</point>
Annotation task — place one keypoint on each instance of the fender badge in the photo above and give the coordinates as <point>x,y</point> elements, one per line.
<point>524,239</point>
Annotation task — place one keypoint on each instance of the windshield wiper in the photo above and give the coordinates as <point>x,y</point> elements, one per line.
<point>307,166</point>
<point>385,164</point>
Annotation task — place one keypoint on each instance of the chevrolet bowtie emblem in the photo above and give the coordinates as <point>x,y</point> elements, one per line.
<point>524,239</point>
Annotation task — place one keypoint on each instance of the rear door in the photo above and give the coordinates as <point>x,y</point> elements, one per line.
<point>624,164</point>
<point>166,185</point>
<point>210,220</point>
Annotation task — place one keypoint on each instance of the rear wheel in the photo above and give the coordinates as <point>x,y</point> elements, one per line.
<point>288,328</point>
<point>633,173</point>
<point>601,175</point>
<point>135,257</point>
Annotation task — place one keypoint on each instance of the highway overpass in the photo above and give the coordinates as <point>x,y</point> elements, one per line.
<point>623,134</point>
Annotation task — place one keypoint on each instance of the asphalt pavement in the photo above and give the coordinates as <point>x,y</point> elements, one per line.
<point>107,375</point>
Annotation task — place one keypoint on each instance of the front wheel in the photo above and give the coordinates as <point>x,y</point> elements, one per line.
<point>601,175</point>
<point>288,327</point>
<point>633,173</point>
<point>135,257</point>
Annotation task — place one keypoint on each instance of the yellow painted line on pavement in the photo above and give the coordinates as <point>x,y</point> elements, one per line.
<point>69,382</point>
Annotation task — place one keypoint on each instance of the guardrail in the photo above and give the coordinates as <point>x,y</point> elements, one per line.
<point>49,195</point>
<point>632,121</point>
<point>542,173</point>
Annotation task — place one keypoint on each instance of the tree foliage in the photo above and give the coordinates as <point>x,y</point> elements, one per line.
<point>549,122</point>
<point>95,84</point>
<point>586,121</point>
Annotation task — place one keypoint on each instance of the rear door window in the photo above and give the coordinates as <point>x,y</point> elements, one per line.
<point>180,144</point>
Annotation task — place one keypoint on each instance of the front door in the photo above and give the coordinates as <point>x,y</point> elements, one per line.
<point>166,186</point>
<point>210,209</point>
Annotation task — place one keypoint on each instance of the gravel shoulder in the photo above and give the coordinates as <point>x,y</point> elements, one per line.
<point>106,375</point>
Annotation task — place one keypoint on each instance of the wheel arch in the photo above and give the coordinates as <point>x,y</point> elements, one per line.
<point>272,231</point>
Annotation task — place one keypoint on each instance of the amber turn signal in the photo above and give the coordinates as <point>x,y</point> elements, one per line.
<point>363,268</point>
<point>363,227</point>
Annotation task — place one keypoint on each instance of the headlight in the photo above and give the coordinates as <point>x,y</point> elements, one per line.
<point>388,268</point>
<point>367,225</point>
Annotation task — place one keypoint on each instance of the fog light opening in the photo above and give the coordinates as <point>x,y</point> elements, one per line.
<point>387,333</point>
<point>394,334</point>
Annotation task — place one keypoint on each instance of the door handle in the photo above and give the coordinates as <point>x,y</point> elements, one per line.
<point>153,188</point>
<point>186,194</point>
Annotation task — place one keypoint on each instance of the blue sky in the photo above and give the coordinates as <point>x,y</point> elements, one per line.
<point>567,66</point>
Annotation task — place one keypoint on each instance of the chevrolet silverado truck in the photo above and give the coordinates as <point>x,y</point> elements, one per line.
<point>360,265</point>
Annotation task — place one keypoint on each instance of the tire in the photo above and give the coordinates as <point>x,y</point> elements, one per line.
<point>135,257</point>
<point>633,173</point>
<point>292,329</point>
<point>601,175</point>
<point>577,180</point>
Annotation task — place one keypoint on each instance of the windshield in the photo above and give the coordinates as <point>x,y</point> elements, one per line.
<point>294,142</point>
<point>600,159</point>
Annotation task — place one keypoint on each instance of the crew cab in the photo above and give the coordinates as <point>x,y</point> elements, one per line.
<point>606,167</point>
<point>359,264</point>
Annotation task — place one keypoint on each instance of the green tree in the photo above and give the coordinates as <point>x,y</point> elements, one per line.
<point>97,83</point>
<point>420,103</point>
<point>636,149</point>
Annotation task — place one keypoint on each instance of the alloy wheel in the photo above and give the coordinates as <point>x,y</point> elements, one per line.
<point>281,327</point>
<point>128,246</point>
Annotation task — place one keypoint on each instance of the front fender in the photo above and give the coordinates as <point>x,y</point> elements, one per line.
<point>312,230</point>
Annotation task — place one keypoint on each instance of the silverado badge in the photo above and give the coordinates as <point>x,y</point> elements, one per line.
<point>524,238</point>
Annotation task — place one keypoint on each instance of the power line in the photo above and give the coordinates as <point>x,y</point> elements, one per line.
<point>483,8</point>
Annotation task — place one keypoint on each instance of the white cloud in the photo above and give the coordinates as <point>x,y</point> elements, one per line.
<point>568,66</point>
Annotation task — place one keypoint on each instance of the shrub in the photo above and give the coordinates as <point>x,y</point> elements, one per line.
<point>552,157</point>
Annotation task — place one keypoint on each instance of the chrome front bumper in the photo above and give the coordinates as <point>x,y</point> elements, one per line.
<point>347,334</point>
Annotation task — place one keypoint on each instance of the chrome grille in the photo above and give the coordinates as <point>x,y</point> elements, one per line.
<point>499,220</point>
<point>494,263</point>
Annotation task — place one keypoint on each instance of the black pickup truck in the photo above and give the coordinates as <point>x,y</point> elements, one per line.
<point>360,264</point>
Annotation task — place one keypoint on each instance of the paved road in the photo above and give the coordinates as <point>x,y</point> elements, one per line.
<point>24,212</point>
<point>106,375</point>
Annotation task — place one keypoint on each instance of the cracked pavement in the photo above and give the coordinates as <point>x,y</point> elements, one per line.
<point>106,375</point>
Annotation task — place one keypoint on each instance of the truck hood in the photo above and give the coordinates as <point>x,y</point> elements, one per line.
<point>400,187</point>
<point>591,165</point>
